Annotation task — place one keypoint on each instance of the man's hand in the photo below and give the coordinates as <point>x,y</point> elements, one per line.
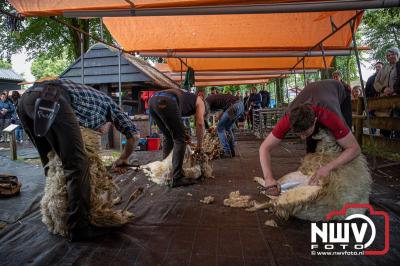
<point>388,91</point>
<point>117,166</point>
<point>322,172</point>
<point>120,162</point>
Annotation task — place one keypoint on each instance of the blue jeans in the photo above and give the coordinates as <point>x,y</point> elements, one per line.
<point>225,124</point>
<point>19,133</point>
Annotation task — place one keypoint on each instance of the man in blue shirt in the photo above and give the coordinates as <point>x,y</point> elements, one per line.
<point>79,105</point>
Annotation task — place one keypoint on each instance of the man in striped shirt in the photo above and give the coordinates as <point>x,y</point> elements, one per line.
<point>79,105</point>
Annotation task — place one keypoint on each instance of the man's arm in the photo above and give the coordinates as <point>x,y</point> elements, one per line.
<point>128,150</point>
<point>125,125</point>
<point>351,150</point>
<point>268,144</point>
<point>199,116</point>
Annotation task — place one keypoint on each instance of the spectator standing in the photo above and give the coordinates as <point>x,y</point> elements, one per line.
<point>19,132</point>
<point>266,98</point>
<point>6,111</point>
<point>385,83</point>
<point>369,88</point>
<point>356,92</point>
<point>255,100</point>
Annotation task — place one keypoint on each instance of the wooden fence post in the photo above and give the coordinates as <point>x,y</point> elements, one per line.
<point>359,121</point>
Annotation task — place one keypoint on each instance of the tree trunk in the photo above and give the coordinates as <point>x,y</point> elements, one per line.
<point>279,92</point>
<point>82,24</point>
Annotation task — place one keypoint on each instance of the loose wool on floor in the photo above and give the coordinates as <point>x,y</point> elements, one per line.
<point>104,192</point>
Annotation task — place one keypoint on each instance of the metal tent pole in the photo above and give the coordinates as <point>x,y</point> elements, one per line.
<point>304,6</point>
<point>246,54</point>
<point>101,29</point>
<point>119,93</point>
<point>323,57</point>
<point>371,137</point>
<point>287,90</point>
<point>82,59</point>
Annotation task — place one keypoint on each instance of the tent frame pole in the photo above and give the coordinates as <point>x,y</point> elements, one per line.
<point>82,59</point>
<point>119,93</point>
<point>297,7</point>
<point>247,54</point>
<point>324,58</point>
<point>358,13</point>
<point>364,96</point>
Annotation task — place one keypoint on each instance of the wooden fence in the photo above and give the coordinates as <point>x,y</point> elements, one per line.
<point>389,123</point>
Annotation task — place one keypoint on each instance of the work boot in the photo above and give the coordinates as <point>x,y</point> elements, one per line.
<point>86,233</point>
<point>182,182</point>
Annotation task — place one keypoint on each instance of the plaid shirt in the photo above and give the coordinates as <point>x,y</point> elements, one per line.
<point>94,108</point>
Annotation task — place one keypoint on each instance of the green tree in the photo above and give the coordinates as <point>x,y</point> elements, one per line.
<point>45,66</point>
<point>347,65</point>
<point>40,35</point>
<point>381,30</point>
<point>5,64</point>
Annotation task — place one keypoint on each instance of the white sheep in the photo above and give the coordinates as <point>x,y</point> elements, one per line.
<point>350,183</point>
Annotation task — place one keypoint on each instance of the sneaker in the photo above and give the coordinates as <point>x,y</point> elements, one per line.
<point>182,182</point>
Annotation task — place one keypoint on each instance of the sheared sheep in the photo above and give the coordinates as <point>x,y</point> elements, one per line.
<point>160,172</point>
<point>54,201</point>
<point>350,183</point>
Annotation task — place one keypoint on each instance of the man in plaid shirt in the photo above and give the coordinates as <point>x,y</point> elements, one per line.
<point>80,105</point>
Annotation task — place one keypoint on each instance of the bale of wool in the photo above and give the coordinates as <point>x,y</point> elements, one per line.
<point>236,200</point>
<point>194,166</point>
<point>350,183</point>
<point>54,201</point>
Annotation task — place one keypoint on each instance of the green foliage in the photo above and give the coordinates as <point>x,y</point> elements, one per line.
<point>347,65</point>
<point>45,65</point>
<point>5,64</point>
<point>381,30</point>
<point>44,35</point>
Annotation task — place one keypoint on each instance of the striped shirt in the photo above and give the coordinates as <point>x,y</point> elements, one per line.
<point>94,108</point>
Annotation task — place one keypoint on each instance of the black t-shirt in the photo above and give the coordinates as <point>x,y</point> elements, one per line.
<point>221,101</point>
<point>186,101</point>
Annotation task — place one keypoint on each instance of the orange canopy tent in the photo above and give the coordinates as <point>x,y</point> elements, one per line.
<point>246,64</point>
<point>244,32</point>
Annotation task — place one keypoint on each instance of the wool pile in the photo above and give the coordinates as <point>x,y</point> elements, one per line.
<point>236,200</point>
<point>194,166</point>
<point>350,183</point>
<point>211,144</point>
<point>104,192</point>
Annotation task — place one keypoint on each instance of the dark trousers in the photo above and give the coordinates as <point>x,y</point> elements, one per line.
<point>64,137</point>
<point>166,113</point>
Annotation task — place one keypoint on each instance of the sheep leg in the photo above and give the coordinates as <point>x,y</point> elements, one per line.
<point>260,206</point>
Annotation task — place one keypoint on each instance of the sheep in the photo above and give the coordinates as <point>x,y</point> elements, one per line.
<point>54,200</point>
<point>350,183</point>
<point>160,172</point>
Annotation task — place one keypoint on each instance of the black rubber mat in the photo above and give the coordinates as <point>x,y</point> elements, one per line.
<point>173,228</point>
